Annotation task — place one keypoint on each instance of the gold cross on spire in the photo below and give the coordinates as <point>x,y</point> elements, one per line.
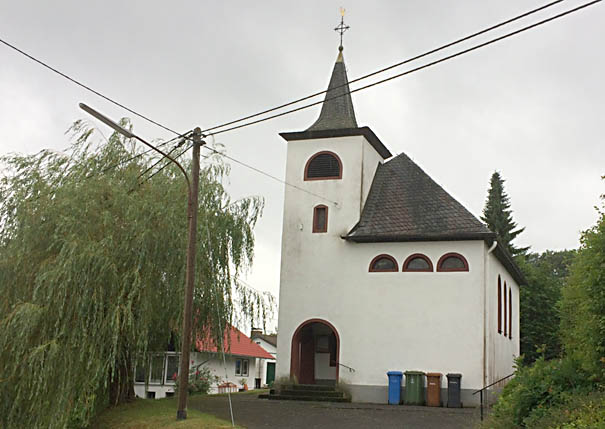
<point>341,27</point>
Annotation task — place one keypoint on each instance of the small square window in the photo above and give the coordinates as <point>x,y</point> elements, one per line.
<point>241,367</point>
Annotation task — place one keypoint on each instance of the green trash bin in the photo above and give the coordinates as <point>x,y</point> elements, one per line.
<point>414,388</point>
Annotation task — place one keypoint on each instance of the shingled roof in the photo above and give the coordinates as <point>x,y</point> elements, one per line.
<point>405,204</point>
<point>337,109</point>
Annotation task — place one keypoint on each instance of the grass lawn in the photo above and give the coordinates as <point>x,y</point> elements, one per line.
<point>155,413</point>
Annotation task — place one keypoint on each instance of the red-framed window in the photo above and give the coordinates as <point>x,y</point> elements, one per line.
<point>452,262</point>
<point>323,165</point>
<point>383,264</point>
<point>499,305</point>
<point>320,218</point>
<point>510,314</point>
<point>505,313</point>
<point>418,263</point>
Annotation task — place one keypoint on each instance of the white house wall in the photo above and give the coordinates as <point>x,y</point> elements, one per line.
<point>501,350</point>
<point>212,361</point>
<point>261,364</point>
<point>386,321</point>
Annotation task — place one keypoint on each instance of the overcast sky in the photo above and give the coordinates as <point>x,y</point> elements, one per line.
<point>530,107</point>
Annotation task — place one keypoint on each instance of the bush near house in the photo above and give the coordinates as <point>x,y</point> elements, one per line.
<point>568,392</point>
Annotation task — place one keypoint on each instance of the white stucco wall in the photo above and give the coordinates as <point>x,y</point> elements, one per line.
<point>212,361</point>
<point>434,322</point>
<point>501,350</point>
<point>261,364</point>
<point>388,321</point>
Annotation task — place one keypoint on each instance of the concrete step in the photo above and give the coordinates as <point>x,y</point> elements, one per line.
<point>304,398</point>
<point>298,392</point>
<point>321,387</point>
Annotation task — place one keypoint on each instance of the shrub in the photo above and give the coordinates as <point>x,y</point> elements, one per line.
<point>536,388</point>
<point>200,381</point>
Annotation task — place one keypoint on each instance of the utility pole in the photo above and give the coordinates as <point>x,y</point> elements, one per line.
<point>192,208</point>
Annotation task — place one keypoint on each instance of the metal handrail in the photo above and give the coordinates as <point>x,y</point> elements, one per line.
<point>346,366</point>
<point>480,391</point>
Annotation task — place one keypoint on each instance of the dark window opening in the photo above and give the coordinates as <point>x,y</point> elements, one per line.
<point>510,314</point>
<point>452,262</point>
<point>499,306</point>
<point>320,219</point>
<point>505,330</point>
<point>417,262</point>
<point>383,263</point>
<point>323,165</point>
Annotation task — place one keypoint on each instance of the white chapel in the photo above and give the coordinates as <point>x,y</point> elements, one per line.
<point>381,269</point>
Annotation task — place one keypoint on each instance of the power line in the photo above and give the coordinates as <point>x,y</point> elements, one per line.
<point>88,88</point>
<point>270,175</point>
<point>417,57</point>
<point>449,57</point>
<point>320,102</point>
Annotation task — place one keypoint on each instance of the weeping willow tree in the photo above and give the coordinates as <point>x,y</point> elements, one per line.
<point>92,270</point>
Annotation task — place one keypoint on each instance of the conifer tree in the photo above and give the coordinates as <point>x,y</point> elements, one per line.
<point>498,216</point>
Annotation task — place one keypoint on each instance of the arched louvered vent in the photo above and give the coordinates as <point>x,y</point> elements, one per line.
<point>323,166</point>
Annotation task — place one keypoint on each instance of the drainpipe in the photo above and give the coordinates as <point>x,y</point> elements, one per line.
<point>485,265</point>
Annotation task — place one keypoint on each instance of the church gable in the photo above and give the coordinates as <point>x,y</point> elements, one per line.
<point>405,204</point>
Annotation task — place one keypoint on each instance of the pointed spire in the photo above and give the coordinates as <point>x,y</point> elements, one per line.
<point>337,110</point>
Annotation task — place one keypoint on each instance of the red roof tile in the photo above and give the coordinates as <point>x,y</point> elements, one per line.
<point>241,345</point>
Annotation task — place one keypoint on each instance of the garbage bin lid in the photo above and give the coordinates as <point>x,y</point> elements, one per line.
<point>433,374</point>
<point>394,373</point>
<point>414,373</point>
<point>454,375</point>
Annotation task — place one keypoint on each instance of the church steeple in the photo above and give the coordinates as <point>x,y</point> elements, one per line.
<point>337,110</point>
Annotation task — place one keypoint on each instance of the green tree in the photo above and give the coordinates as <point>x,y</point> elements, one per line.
<point>498,216</point>
<point>546,275</point>
<point>583,303</point>
<point>92,268</point>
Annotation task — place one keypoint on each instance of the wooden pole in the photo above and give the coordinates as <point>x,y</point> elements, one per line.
<point>192,207</point>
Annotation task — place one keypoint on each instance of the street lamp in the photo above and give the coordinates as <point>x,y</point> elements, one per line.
<point>192,206</point>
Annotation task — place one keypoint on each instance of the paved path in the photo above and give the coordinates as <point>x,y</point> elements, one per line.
<point>254,413</point>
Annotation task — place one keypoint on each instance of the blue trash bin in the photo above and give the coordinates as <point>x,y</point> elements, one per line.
<point>395,387</point>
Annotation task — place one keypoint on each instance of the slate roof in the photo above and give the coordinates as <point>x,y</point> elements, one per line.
<point>269,338</point>
<point>337,110</point>
<point>241,345</point>
<point>405,204</point>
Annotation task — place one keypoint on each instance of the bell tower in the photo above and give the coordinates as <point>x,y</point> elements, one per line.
<point>330,166</point>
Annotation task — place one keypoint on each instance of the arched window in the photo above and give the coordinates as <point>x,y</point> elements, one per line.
<point>383,263</point>
<point>320,218</point>
<point>417,262</point>
<point>323,166</point>
<point>505,331</point>
<point>510,314</point>
<point>452,262</point>
<point>499,305</point>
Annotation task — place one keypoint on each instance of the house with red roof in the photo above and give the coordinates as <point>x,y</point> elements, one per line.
<point>233,367</point>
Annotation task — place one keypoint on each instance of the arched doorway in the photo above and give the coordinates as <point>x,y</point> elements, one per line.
<point>315,353</point>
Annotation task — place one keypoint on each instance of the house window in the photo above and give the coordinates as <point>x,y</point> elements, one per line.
<point>320,218</point>
<point>417,262</point>
<point>156,375</point>
<point>172,368</point>
<point>383,263</point>
<point>241,367</point>
<point>510,314</point>
<point>499,306</point>
<point>505,332</point>
<point>323,166</point>
<point>452,262</point>
<point>139,374</point>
